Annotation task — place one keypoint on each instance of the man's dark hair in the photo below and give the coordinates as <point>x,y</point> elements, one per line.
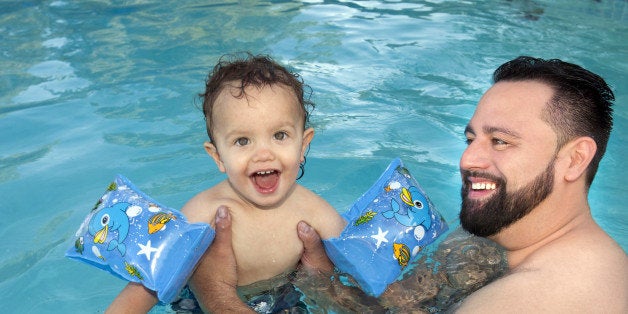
<point>581,104</point>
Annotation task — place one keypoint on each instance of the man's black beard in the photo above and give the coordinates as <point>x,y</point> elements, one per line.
<point>485,218</point>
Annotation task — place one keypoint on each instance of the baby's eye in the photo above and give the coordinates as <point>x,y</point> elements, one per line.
<point>242,141</point>
<point>280,136</point>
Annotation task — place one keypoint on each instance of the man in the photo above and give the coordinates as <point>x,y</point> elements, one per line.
<point>534,145</point>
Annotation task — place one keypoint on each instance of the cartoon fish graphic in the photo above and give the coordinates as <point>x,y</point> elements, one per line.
<point>402,254</point>
<point>365,218</point>
<point>111,219</point>
<point>79,245</point>
<point>417,213</point>
<point>158,221</point>
<point>133,271</point>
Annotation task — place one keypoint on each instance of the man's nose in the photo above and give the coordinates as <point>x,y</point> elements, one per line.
<point>475,156</point>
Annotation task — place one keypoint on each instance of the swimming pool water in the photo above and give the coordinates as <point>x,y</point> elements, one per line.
<point>95,88</point>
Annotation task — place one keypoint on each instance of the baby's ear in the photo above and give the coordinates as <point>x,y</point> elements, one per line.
<point>580,152</point>
<point>308,135</point>
<point>212,151</point>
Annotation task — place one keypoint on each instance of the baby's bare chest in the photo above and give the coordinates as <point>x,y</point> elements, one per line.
<point>266,248</point>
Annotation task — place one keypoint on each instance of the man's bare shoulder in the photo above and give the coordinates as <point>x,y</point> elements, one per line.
<point>585,271</point>
<point>588,252</point>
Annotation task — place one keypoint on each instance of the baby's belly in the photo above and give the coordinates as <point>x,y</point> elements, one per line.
<point>262,262</point>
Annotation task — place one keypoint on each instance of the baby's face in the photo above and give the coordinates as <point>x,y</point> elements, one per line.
<point>259,141</point>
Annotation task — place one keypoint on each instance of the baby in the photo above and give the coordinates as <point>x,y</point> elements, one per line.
<point>256,117</point>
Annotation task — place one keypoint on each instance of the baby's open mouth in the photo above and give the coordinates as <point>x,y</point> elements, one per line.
<point>266,180</point>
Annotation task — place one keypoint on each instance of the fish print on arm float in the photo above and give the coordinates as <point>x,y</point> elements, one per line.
<point>389,225</point>
<point>132,236</point>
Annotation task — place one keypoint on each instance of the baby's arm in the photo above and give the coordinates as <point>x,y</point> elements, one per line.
<point>324,218</point>
<point>202,207</point>
<point>134,298</point>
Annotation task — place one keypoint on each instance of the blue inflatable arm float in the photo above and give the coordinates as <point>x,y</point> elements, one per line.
<point>130,235</point>
<point>387,228</point>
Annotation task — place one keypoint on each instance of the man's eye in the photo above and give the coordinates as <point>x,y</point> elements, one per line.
<point>469,138</point>
<point>242,141</point>
<point>499,142</point>
<point>280,136</point>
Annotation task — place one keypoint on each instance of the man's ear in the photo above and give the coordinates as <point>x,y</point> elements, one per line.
<point>580,152</point>
<point>212,151</point>
<point>308,135</point>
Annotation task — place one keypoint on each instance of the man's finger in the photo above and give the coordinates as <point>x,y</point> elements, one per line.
<point>215,279</point>
<point>314,257</point>
<point>222,242</point>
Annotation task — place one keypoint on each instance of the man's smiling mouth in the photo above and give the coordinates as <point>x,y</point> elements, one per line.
<point>483,186</point>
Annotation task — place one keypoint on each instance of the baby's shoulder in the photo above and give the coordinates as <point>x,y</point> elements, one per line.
<point>202,207</point>
<point>317,212</point>
<point>303,194</point>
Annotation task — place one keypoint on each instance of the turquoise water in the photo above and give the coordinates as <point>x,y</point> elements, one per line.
<point>95,88</point>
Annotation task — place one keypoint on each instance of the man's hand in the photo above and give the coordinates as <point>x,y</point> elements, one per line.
<point>215,279</point>
<point>314,258</point>
<point>314,279</point>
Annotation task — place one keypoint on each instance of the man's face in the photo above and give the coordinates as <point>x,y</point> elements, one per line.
<point>508,167</point>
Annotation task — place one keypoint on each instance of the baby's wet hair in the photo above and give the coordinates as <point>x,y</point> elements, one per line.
<point>246,69</point>
<point>251,70</point>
